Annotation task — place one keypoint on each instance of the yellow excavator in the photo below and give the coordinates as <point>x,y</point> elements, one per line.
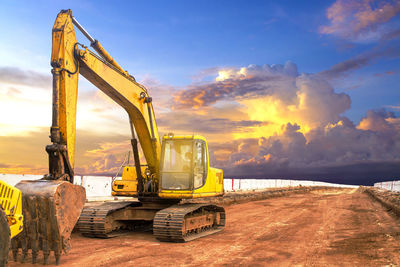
<point>177,168</point>
<point>11,218</point>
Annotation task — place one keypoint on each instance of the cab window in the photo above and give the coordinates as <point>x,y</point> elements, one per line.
<point>199,164</point>
<point>177,164</point>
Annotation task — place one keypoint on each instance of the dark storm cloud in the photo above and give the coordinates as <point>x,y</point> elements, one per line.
<point>342,152</point>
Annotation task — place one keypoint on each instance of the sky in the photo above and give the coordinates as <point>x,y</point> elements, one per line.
<point>280,89</point>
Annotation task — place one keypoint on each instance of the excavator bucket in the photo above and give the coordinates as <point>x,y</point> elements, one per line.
<point>51,210</point>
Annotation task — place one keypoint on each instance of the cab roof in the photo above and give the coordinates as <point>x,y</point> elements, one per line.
<point>171,136</point>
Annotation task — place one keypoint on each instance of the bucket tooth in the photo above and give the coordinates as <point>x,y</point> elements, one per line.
<point>51,210</point>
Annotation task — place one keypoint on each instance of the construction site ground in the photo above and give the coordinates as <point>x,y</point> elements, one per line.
<point>339,227</point>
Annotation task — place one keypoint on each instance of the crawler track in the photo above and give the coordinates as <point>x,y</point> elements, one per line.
<point>95,220</point>
<point>173,224</point>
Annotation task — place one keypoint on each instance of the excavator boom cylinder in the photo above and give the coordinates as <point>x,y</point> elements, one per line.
<point>83,31</point>
<point>99,48</point>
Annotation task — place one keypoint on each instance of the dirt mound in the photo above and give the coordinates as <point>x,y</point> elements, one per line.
<point>237,197</point>
<point>389,199</point>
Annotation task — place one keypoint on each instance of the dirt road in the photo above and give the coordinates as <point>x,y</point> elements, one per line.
<point>342,227</point>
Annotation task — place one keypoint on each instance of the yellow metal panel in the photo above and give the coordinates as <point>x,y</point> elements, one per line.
<point>11,203</point>
<point>124,186</point>
<point>129,172</point>
<point>128,185</point>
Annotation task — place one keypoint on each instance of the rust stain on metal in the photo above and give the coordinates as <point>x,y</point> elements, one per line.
<point>51,210</point>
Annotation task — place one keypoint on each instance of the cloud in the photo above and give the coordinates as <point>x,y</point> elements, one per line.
<point>96,152</point>
<point>391,35</point>
<point>274,94</point>
<point>106,158</point>
<point>393,107</point>
<point>298,129</point>
<point>26,150</point>
<point>389,72</point>
<point>206,124</point>
<point>160,92</point>
<point>362,20</point>
<point>234,83</point>
<point>22,169</point>
<point>205,73</point>
<point>324,151</point>
<point>17,76</point>
<point>345,67</point>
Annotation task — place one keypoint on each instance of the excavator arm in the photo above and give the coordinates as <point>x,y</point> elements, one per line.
<point>68,60</point>
<point>129,95</point>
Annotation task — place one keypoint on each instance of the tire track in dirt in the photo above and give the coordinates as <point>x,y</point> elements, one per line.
<point>327,227</point>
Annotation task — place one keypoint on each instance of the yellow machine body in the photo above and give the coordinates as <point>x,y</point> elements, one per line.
<point>211,183</point>
<point>127,186</point>
<point>11,203</point>
<point>207,182</point>
<point>214,186</point>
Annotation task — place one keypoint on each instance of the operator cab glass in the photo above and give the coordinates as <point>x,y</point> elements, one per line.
<point>184,164</point>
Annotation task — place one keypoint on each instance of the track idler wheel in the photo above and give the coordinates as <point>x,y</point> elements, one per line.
<point>4,238</point>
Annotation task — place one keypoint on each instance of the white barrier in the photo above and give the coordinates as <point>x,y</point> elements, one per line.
<point>390,185</point>
<point>13,179</point>
<point>97,186</point>
<point>94,185</point>
<point>255,184</point>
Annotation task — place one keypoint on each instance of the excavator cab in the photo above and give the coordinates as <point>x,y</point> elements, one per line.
<point>185,171</point>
